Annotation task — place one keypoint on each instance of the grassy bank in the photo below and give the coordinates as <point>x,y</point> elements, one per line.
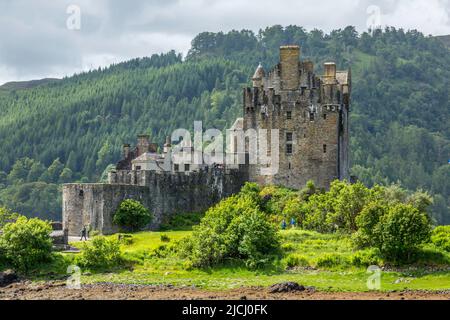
<point>328,262</point>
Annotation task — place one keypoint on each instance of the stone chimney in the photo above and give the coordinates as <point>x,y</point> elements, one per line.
<point>289,61</point>
<point>126,151</point>
<point>143,145</point>
<point>330,72</point>
<point>167,145</point>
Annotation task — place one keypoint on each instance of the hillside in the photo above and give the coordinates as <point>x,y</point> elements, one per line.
<point>18,85</point>
<point>72,129</point>
<point>445,40</point>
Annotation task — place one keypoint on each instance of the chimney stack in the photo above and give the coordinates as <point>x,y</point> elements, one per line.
<point>126,151</point>
<point>289,61</point>
<point>143,145</point>
<point>330,72</point>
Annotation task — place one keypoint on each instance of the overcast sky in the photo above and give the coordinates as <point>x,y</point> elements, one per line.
<point>45,38</point>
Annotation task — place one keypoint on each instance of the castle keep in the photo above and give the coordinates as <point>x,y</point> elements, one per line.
<point>308,113</point>
<point>311,114</point>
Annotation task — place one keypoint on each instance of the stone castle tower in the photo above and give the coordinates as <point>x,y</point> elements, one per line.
<point>311,113</point>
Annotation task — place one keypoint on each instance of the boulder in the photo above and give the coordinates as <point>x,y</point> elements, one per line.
<point>7,277</point>
<point>286,287</point>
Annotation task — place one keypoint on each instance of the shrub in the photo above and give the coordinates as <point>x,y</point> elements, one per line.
<point>183,221</point>
<point>295,260</point>
<point>165,238</point>
<point>233,229</point>
<point>365,258</point>
<point>366,222</point>
<point>132,215</point>
<point>441,237</point>
<point>101,253</point>
<point>401,231</point>
<point>26,242</point>
<point>125,239</point>
<point>329,260</point>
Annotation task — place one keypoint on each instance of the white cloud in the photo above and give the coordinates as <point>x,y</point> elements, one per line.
<point>36,43</point>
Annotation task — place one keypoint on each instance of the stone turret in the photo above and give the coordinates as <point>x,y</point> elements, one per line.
<point>258,77</point>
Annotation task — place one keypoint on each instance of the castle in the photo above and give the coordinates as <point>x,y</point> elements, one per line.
<point>306,118</point>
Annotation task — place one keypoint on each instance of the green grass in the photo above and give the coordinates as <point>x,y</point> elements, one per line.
<point>315,248</point>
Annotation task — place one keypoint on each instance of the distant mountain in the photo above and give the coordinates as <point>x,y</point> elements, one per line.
<point>17,85</point>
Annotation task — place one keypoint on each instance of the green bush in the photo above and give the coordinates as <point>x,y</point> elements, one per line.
<point>100,253</point>
<point>365,258</point>
<point>183,221</point>
<point>401,231</point>
<point>329,260</point>
<point>441,237</point>
<point>132,216</point>
<point>125,239</point>
<point>367,220</point>
<point>233,229</point>
<point>26,242</point>
<point>296,260</point>
<point>165,238</point>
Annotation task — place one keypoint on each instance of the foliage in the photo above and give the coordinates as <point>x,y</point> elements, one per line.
<point>396,231</point>
<point>132,215</point>
<point>100,253</point>
<point>296,260</point>
<point>26,242</point>
<point>7,216</point>
<point>165,238</point>
<point>441,237</point>
<point>233,229</point>
<point>182,221</point>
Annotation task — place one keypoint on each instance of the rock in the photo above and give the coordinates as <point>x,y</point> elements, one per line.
<point>8,277</point>
<point>286,287</point>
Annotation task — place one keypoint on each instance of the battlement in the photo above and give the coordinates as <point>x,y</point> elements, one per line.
<point>163,193</point>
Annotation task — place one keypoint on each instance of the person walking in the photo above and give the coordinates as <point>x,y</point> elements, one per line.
<point>292,223</point>
<point>283,225</point>
<point>84,234</point>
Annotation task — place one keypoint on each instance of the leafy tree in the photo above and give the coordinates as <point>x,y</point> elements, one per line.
<point>26,242</point>
<point>53,172</point>
<point>401,230</point>
<point>233,229</point>
<point>132,215</point>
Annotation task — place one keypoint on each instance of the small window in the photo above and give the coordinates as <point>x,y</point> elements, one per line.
<point>324,148</point>
<point>311,116</point>
<point>324,116</point>
<point>289,148</point>
<point>138,168</point>
<point>290,166</point>
<point>81,194</point>
<point>289,136</point>
<point>187,167</point>
<point>176,167</point>
<point>289,115</point>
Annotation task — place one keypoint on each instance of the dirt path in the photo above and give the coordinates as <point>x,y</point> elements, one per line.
<point>59,291</point>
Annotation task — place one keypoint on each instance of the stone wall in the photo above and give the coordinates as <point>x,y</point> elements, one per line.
<point>164,194</point>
